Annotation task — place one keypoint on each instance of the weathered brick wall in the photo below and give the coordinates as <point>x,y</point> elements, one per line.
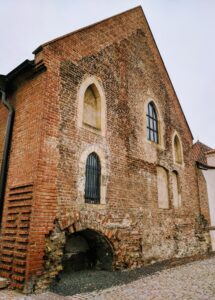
<point>45,209</point>
<point>20,195</point>
<point>121,54</point>
<point>48,144</point>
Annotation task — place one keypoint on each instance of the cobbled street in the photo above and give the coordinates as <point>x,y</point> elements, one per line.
<point>194,280</point>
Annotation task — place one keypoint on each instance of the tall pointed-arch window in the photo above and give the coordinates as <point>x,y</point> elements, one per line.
<point>176,190</point>
<point>152,123</point>
<point>162,188</point>
<point>177,150</point>
<point>92,179</point>
<point>92,107</point>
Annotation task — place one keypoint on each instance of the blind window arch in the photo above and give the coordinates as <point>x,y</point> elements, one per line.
<point>92,107</point>
<point>178,150</point>
<point>176,189</point>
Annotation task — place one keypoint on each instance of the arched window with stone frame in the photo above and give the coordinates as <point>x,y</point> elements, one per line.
<point>100,159</point>
<point>176,190</point>
<point>92,106</point>
<point>92,179</point>
<point>162,187</point>
<point>177,150</point>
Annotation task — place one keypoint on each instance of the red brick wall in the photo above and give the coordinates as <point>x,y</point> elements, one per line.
<point>122,54</point>
<point>47,146</point>
<point>20,196</point>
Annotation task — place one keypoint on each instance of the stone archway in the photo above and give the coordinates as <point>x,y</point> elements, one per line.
<point>87,249</point>
<point>73,248</point>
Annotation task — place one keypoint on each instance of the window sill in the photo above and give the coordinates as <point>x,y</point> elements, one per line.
<point>178,165</point>
<point>155,145</point>
<point>92,206</point>
<point>92,129</point>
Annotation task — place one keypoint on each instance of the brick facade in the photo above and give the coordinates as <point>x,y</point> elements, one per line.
<point>44,177</point>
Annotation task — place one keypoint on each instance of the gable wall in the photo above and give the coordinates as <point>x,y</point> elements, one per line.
<point>120,54</point>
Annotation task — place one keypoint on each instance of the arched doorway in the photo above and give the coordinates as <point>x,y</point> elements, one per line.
<point>87,249</point>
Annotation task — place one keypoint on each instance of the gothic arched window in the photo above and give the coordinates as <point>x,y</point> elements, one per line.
<point>92,179</point>
<point>178,150</point>
<point>152,123</point>
<point>176,190</point>
<point>92,107</point>
<point>162,187</point>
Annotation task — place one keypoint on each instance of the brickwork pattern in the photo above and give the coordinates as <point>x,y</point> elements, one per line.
<point>22,173</point>
<point>15,235</point>
<point>48,145</point>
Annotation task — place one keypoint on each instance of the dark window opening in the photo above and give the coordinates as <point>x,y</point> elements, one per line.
<point>92,182</point>
<point>87,249</point>
<point>152,124</point>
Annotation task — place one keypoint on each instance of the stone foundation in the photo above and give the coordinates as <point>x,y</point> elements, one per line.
<point>78,247</point>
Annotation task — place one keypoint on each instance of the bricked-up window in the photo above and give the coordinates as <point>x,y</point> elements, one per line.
<point>93,179</point>
<point>152,123</point>
<point>178,150</point>
<point>176,190</point>
<point>162,188</point>
<point>92,107</point>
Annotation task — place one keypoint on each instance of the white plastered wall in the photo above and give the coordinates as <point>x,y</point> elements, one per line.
<point>210,180</point>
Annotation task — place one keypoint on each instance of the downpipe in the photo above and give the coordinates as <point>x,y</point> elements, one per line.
<point>6,151</point>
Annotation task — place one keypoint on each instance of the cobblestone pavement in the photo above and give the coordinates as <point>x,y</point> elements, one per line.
<point>194,281</point>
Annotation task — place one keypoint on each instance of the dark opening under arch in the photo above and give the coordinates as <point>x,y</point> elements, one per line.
<point>87,249</point>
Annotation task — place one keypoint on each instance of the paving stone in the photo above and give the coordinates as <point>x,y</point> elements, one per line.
<point>3,283</point>
<point>193,281</point>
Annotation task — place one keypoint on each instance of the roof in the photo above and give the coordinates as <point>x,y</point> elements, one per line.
<point>19,71</point>
<point>199,151</point>
<point>211,151</point>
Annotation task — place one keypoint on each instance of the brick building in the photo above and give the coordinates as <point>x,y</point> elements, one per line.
<point>101,171</point>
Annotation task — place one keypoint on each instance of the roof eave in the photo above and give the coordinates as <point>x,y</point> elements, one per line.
<point>25,65</point>
<point>10,80</point>
<point>204,166</point>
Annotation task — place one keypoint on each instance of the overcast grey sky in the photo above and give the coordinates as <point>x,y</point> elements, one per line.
<point>183,29</point>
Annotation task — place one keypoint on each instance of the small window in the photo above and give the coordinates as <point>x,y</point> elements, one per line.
<point>162,188</point>
<point>92,181</point>
<point>176,190</point>
<point>92,107</point>
<point>177,150</point>
<point>152,123</point>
